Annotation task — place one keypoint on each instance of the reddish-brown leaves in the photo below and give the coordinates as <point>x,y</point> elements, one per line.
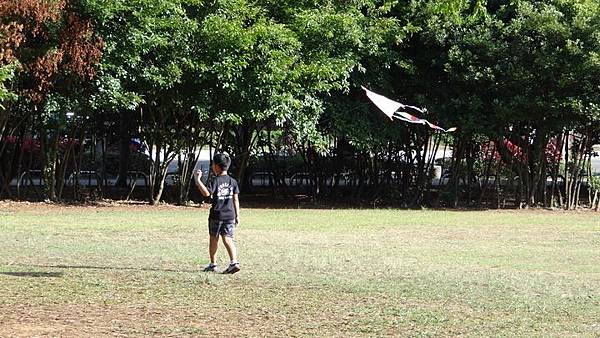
<point>24,26</point>
<point>37,12</point>
<point>11,37</point>
<point>81,49</point>
<point>43,71</point>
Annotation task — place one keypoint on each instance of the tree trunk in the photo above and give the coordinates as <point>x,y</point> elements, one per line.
<point>245,137</point>
<point>186,169</point>
<point>487,171</point>
<point>567,181</point>
<point>124,150</point>
<point>161,185</point>
<point>49,148</point>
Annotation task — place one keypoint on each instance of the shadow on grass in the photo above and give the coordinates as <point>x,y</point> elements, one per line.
<point>116,268</point>
<point>257,200</point>
<point>33,274</point>
<point>305,202</point>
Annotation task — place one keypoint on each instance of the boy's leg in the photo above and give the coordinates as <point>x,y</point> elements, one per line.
<point>231,249</point>
<point>234,266</point>
<point>212,248</point>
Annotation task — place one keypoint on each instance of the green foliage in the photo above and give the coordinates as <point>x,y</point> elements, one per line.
<point>518,63</point>
<point>146,53</point>
<point>522,70</point>
<point>7,73</point>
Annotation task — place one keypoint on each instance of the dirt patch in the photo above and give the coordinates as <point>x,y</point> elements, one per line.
<point>144,320</point>
<point>95,320</point>
<point>249,203</point>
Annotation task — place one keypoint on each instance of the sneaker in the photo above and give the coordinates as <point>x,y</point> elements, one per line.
<point>210,268</point>
<point>232,268</point>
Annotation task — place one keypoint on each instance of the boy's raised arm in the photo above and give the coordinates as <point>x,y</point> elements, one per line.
<point>197,178</point>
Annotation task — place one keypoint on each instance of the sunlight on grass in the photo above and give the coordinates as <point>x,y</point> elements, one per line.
<point>305,272</point>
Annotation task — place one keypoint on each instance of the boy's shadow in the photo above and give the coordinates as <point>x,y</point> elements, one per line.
<point>88,267</point>
<point>33,274</point>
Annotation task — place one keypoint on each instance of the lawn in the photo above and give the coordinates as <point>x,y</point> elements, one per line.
<point>135,271</point>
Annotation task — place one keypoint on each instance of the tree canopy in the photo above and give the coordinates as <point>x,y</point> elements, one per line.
<point>517,77</point>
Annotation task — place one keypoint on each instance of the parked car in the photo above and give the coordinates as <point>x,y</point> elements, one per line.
<point>262,179</point>
<point>84,179</point>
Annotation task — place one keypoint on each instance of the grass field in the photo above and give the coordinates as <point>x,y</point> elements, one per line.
<point>135,271</point>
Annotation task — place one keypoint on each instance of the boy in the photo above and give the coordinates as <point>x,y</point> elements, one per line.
<point>224,213</point>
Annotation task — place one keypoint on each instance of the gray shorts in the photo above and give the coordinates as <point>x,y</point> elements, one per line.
<point>224,228</point>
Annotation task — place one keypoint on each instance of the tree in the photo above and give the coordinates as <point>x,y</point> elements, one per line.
<point>506,72</point>
<point>275,63</point>
<point>147,63</point>
<point>56,51</point>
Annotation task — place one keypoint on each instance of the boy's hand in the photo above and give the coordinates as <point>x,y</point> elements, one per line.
<point>198,173</point>
<point>237,221</point>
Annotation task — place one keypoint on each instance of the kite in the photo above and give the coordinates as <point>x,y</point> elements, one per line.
<point>396,110</point>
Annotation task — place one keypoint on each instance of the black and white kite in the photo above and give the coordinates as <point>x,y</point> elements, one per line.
<point>397,110</point>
